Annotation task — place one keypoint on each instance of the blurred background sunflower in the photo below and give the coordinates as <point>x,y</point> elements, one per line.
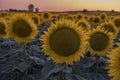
<point>109,25</point>
<point>3,28</point>
<point>22,28</point>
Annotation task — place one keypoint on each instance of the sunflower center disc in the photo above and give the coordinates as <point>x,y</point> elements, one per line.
<point>99,41</point>
<point>109,27</point>
<point>64,41</point>
<point>2,28</point>
<point>21,28</point>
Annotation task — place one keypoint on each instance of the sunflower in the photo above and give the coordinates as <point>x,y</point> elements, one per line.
<point>3,27</point>
<point>36,19</point>
<point>110,27</point>
<point>116,21</point>
<point>46,16</point>
<point>96,20</point>
<point>59,16</point>
<point>114,64</point>
<point>70,17</point>
<point>64,42</point>
<point>22,28</point>
<point>54,20</point>
<point>3,14</point>
<point>53,16</point>
<point>84,24</point>
<point>103,16</point>
<point>79,16</point>
<point>65,15</point>
<point>86,17</point>
<point>100,41</point>
<point>91,19</point>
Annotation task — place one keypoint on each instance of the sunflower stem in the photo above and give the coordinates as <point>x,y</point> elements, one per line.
<point>96,65</point>
<point>25,52</point>
<point>9,43</point>
<point>61,75</point>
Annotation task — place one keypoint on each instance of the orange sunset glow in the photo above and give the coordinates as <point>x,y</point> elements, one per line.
<point>61,5</point>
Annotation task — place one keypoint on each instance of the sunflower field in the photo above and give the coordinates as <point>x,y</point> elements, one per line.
<point>59,46</point>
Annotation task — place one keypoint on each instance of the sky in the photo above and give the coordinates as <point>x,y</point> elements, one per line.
<point>61,5</point>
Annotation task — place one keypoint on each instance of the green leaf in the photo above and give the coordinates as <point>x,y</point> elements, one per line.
<point>23,66</point>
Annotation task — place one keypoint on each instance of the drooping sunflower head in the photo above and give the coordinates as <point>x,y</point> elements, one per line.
<point>22,28</point>
<point>84,24</point>
<point>3,27</point>
<point>100,41</point>
<point>116,21</point>
<point>64,42</point>
<point>110,27</point>
<point>114,64</point>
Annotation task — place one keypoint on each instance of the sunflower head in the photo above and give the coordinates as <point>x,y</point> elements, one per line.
<point>46,16</point>
<point>91,19</point>
<point>22,28</point>
<point>96,20</point>
<point>64,42</point>
<point>3,27</point>
<point>103,16</point>
<point>100,41</point>
<point>70,18</point>
<point>84,24</point>
<point>110,27</point>
<point>53,21</point>
<point>114,63</point>
<point>79,16</point>
<point>86,17</point>
<point>116,21</point>
<point>36,20</point>
<point>60,16</point>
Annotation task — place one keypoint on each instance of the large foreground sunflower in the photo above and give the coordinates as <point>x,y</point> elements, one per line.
<point>22,28</point>
<point>100,42</point>
<point>114,64</point>
<point>64,42</point>
<point>3,27</point>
